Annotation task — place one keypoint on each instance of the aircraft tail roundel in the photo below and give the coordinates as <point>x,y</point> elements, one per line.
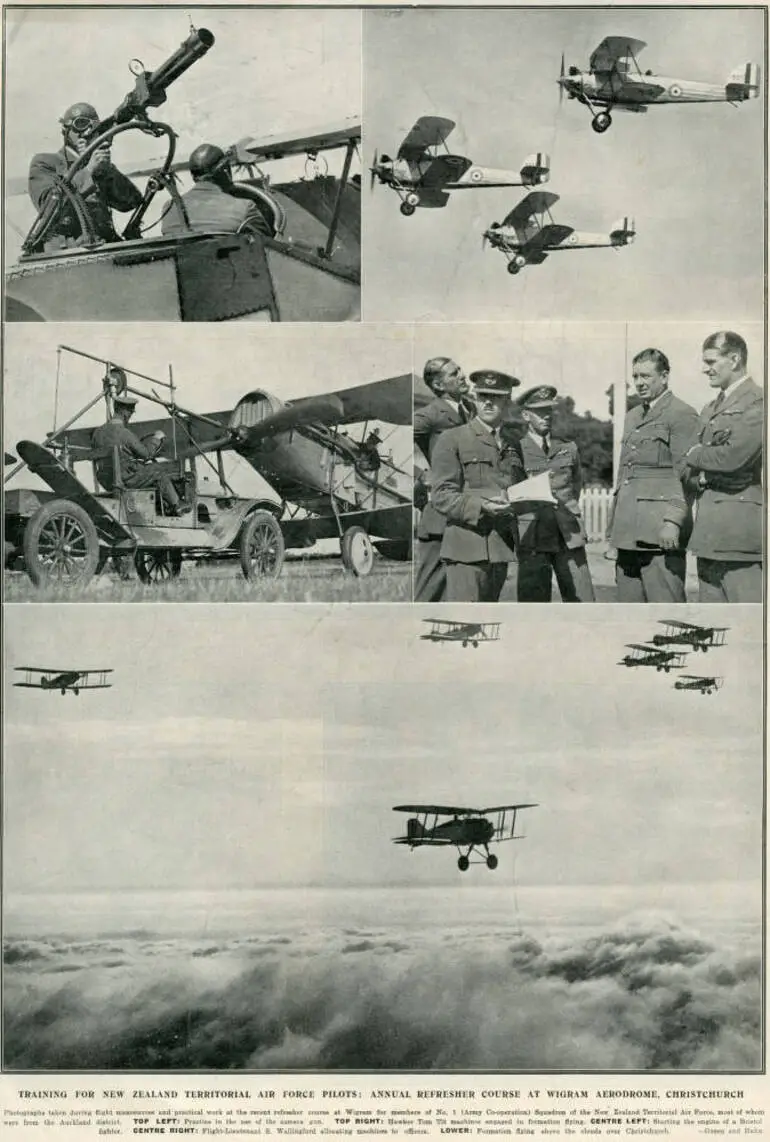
<point>623,231</point>
<point>536,169</point>
<point>743,83</point>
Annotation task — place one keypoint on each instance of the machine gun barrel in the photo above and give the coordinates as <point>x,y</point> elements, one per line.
<point>194,47</point>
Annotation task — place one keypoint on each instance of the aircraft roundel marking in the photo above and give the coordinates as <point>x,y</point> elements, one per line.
<point>675,90</point>
<point>476,175</point>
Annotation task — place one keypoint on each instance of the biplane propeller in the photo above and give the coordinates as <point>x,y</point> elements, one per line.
<point>614,80</point>
<point>690,634</point>
<point>644,654</point>
<point>469,634</point>
<point>43,678</point>
<point>703,684</point>
<point>470,831</point>
<point>528,233</point>
<point>422,174</point>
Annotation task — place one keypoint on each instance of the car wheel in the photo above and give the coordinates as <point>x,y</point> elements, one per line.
<point>61,545</point>
<point>157,564</point>
<point>262,546</point>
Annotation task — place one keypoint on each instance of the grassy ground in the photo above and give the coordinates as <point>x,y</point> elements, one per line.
<point>302,580</point>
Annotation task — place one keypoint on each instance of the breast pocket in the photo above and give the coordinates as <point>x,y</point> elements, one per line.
<point>654,448</point>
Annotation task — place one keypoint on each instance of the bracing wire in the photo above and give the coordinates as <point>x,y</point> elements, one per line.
<point>56,388</point>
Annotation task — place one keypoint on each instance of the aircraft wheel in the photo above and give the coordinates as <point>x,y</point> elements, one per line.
<point>407,209</point>
<point>601,122</point>
<point>492,861</point>
<point>262,546</point>
<point>667,669</point>
<point>61,545</point>
<point>465,642</point>
<point>357,551</point>
<point>513,268</point>
<point>413,199</point>
<point>77,691</point>
<point>63,693</point>
<point>463,864</point>
<point>156,564</point>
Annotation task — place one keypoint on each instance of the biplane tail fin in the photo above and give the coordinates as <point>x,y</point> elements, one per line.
<point>623,232</point>
<point>743,83</point>
<point>536,169</point>
<point>415,829</point>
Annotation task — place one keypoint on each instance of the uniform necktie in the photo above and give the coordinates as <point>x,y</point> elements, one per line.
<point>719,400</point>
<point>545,442</point>
<point>645,407</point>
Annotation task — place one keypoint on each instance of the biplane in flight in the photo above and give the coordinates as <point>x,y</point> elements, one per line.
<point>309,270</point>
<point>469,634</point>
<point>42,678</point>
<point>690,634</point>
<point>327,484</point>
<point>423,175</point>
<point>470,830</point>
<point>648,655</point>
<point>528,233</point>
<point>614,80</point>
<point>701,683</point>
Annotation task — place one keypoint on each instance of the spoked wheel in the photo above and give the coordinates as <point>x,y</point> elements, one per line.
<point>492,861</point>
<point>157,564</point>
<point>463,864</point>
<point>357,551</point>
<point>407,209</point>
<point>262,546</point>
<point>61,545</point>
<point>601,122</point>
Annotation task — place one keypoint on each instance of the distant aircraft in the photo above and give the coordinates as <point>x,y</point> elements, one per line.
<point>64,680</point>
<point>442,630</point>
<point>698,637</point>
<point>698,682</point>
<point>646,655</point>
<point>468,829</point>
<point>528,234</point>
<point>422,176</point>
<point>615,80</point>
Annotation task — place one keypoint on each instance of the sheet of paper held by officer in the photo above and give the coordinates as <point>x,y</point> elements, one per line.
<point>361,868</point>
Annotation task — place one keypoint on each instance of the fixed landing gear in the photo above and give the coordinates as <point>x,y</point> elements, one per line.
<point>601,122</point>
<point>517,263</point>
<point>407,209</point>
<point>463,864</point>
<point>492,861</point>
<point>357,551</point>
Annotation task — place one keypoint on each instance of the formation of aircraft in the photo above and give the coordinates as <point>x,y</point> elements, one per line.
<point>43,678</point>
<point>693,637</point>
<point>470,831</point>
<point>423,175</point>
<point>614,80</point>
<point>469,634</point>
<point>704,684</point>
<point>528,233</point>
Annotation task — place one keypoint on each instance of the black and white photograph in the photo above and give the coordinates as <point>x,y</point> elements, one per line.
<point>148,463</point>
<point>577,163</point>
<point>327,839</point>
<point>182,165</point>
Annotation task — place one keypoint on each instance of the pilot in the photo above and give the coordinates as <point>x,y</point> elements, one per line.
<point>552,539</point>
<point>450,408</point>
<point>370,454</point>
<point>212,206</point>
<point>725,463</point>
<point>472,467</point>
<point>138,468</point>
<point>651,517</point>
<point>101,185</point>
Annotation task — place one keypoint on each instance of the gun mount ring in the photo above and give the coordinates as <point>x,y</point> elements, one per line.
<point>136,67</point>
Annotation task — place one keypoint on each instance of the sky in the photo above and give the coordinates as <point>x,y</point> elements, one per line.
<point>691,176</point>
<point>267,72</point>
<point>211,372</point>
<point>241,746</point>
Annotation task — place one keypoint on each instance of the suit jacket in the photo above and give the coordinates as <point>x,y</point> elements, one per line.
<point>727,465</point>
<point>110,190</point>
<point>428,424</point>
<point>547,528</point>
<point>468,466</point>
<point>650,487</point>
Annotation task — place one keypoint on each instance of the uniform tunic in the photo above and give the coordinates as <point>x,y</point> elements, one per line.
<point>131,450</point>
<point>212,210</point>
<point>102,191</point>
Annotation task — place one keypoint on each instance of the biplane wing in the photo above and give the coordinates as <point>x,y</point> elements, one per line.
<point>523,218</point>
<point>536,247</point>
<point>441,810</point>
<point>505,808</point>
<point>281,145</point>
<point>613,52</point>
<point>644,649</point>
<point>428,131</point>
<point>444,169</point>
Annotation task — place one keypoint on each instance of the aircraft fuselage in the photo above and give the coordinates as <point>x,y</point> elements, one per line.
<point>631,90</point>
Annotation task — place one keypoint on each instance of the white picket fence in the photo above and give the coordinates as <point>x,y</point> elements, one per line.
<point>595,506</point>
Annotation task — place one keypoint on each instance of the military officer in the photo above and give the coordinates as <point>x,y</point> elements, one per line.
<point>726,463</point>
<point>472,468</point>
<point>213,205</point>
<point>651,515</point>
<point>552,539</point>
<point>138,467</point>
<point>450,408</point>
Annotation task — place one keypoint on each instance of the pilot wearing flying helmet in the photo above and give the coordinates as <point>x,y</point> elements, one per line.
<point>101,185</point>
<point>215,205</point>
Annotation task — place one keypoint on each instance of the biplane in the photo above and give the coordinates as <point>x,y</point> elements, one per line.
<point>422,174</point>
<point>701,683</point>
<point>528,233</point>
<point>327,485</point>
<point>308,271</point>
<point>468,829</point>
<point>690,634</point>
<point>614,80</point>
<point>63,680</point>
<point>469,634</point>
<point>647,655</point>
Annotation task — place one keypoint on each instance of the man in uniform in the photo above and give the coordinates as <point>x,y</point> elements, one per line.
<point>473,466</point>
<point>449,409</point>
<point>211,205</point>
<point>100,184</point>
<point>651,515</point>
<point>138,468</point>
<point>552,539</point>
<point>726,466</point>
